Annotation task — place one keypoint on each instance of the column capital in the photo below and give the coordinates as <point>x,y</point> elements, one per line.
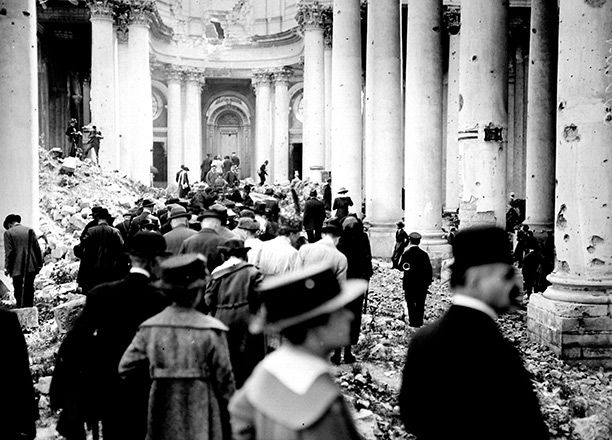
<point>101,9</point>
<point>260,77</point>
<point>451,16</point>
<point>173,73</point>
<point>282,74</point>
<point>310,15</point>
<point>328,26</point>
<point>194,76</point>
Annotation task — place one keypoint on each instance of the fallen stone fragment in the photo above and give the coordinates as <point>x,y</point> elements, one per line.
<point>43,385</point>
<point>66,314</point>
<point>28,317</point>
<point>595,427</point>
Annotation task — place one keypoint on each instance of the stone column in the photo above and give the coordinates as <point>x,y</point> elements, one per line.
<point>518,183</point>
<point>124,101</point>
<point>541,98</point>
<point>86,100</point>
<point>19,126</point>
<point>483,117</point>
<point>281,124</point>
<point>453,183</point>
<point>192,147</point>
<point>263,142</point>
<point>175,126</point>
<point>141,129</point>
<point>424,95</point>
<point>346,101</point>
<point>103,84</point>
<point>310,18</point>
<point>327,60</point>
<point>383,184</point>
<point>574,316</point>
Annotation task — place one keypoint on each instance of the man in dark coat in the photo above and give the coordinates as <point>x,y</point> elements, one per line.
<point>105,328</point>
<point>314,216</point>
<point>205,167</point>
<point>327,195</point>
<point>124,226</point>
<point>462,378</point>
<point>231,297</point>
<point>417,278</point>
<point>100,252</point>
<point>23,259</point>
<point>180,229</point>
<point>207,240</point>
<point>263,172</point>
<point>227,164</point>
<point>18,407</point>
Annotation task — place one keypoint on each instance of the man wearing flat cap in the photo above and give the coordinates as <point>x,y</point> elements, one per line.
<point>291,393</point>
<point>101,334</point>
<point>180,232</point>
<point>462,378</point>
<point>416,266</point>
<point>22,258</point>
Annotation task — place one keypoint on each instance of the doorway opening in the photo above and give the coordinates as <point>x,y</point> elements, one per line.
<point>295,160</point>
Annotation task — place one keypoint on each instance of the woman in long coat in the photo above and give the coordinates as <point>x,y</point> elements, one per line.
<point>186,355</point>
<point>355,245</point>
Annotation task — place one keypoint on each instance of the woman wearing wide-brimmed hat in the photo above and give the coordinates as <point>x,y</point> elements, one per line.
<point>291,393</point>
<point>185,354</point>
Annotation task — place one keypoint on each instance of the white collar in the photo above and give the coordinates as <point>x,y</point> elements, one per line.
<point>231,261</point>
<point>295,368</point>
<point>141,271</point>
<point>474,303</point>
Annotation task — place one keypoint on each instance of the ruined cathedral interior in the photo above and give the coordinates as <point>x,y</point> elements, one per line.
<point>452,104</point>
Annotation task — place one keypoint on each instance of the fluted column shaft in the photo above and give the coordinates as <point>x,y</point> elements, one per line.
<point>192,147</point>
<point>483,116</point>
<point>124,104</point>
<point>103,84</point>
<point>141,130</point>
<point>263,142</point>
<point>327,59</point>
<point>384,114</point>
<point>310,17</point>
<point>19,117</point>
<point>281,125</point>
<point>175,126</point>
<point>347,127</point>
<point>541,98</point>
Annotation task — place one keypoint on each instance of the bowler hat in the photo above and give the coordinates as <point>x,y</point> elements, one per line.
<point>148,244</point>
<point>247,213</point>
<point>331,227</point>
<point>147,203</point>
<point>220,209</point>
<point>248,224</point>
<point>478,246</point>
<point>208,213</point>
<point>178,211</point>
<point>295,297</point>
<point>181,272</point>
<point>11,218</point>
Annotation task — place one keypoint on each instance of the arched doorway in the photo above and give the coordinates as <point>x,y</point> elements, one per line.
<point>229,130</point>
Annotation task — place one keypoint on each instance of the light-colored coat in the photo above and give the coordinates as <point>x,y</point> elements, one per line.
<point>186,355</point>
<point>324,251</point>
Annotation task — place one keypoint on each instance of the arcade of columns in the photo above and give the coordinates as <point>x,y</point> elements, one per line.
<point>569,131</point>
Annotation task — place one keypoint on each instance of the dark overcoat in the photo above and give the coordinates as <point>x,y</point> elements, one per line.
<point>185,354</point>
<point>204,242</point>
<point>176,237</point>
<point>417,271</point>
<point>341,205</point>
<point>18,407</point>
<point>101,334</point>
<point>464,380</point>
<point>314,214</point>
<point>101,256</point>
<point>231,297</point>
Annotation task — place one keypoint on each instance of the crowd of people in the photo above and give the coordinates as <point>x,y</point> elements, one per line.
<point>216,317</point>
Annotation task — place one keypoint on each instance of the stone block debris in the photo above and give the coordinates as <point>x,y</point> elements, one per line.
<point>28,318</point>
<point>67,313</point>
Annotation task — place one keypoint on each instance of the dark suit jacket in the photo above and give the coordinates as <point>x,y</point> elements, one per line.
<point>18,408</point>
<point>101,259</point>
<point>418,277</point>
<point>314,213</point>
<point>464,380</point>
<point>20,243</point>
<point>204,242</point>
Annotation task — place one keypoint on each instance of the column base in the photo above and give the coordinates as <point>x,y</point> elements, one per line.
<point>438,250</point>
<point>382,239</point>
<point>576,331</point>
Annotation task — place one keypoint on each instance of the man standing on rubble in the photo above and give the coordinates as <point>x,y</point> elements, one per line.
<point>416,266</point>
<point>23,259</point>
<point>462,378</point>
